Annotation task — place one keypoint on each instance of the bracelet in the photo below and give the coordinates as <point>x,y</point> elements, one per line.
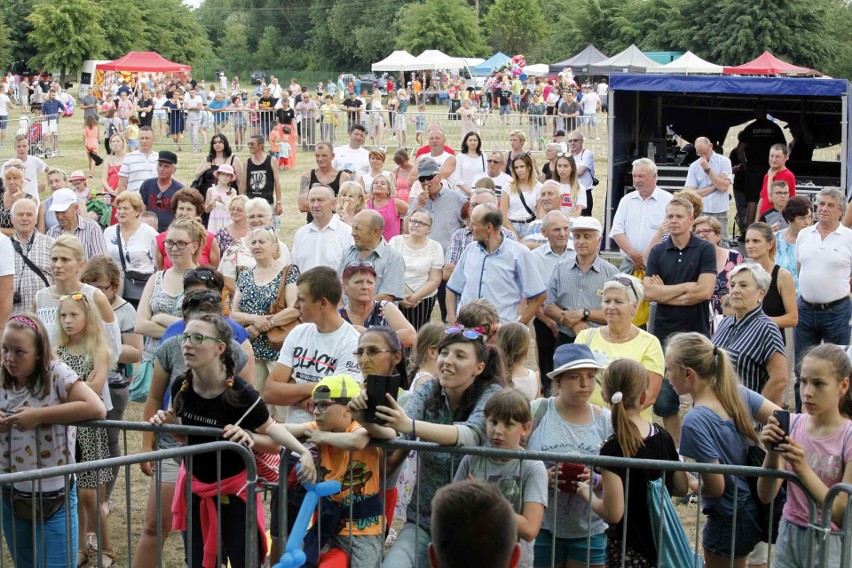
<point>413,429</point>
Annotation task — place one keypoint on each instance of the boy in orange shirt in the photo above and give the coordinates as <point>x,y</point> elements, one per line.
<point>344,456</point>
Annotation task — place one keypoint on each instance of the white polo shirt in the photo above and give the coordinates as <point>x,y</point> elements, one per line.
<point>313,246</point>
<point>716,202</point>
<point>825,264</point>
<point>639,218</point>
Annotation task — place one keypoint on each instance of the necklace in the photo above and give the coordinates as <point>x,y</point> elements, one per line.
<point>613,339</point>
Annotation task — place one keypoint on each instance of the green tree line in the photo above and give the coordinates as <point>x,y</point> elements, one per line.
<point>240,35</point>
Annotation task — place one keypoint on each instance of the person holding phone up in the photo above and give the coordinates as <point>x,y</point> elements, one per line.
<point>817,447</point>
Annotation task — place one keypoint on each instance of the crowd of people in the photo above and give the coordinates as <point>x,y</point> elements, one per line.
<point>188,298</point>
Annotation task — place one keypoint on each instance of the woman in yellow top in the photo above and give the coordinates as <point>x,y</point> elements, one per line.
<point>620,339</point>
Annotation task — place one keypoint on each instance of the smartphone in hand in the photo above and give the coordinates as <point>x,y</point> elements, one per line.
<point>783,418</point>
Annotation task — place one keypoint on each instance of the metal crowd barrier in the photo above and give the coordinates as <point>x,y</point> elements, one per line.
<point>817,530</point>
<point>42,132</point>
<point>34,477</point>
<point>385,129</point>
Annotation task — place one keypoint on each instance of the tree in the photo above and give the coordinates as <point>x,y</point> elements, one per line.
<point>5,46</point>
<point>363,34</point>
<point>65,33</point>
<point>267,54</point>
<point>798,31</point>
<point>446,25</point>
<point>173,31</point>
<point>123,26</point>
<point>14,13</point>
<point>514,26</point>
<point>233,49</point>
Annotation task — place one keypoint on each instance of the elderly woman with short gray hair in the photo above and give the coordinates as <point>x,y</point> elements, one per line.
<point>750,337</point>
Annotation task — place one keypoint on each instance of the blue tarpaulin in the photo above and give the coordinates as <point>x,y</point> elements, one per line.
<point>492,63</point>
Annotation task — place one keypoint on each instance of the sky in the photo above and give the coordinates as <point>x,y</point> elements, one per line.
<point>193,3</point>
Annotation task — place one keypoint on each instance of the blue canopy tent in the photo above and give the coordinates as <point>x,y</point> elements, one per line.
<point>492,63</point>
<point>642,106</point>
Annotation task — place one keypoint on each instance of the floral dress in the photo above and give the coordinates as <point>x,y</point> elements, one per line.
<point>92,443</point>
<point>224,238</point>
<point>721,289</point>
<point>256,299</point>
<point>161,303</point>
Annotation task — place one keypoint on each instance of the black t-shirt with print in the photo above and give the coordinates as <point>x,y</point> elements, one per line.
<point>217,413</point>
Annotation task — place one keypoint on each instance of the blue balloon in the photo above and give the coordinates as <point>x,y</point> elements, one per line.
<point>294,556</point>
<point>523,77</point>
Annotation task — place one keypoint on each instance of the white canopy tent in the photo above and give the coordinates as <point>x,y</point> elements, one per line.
<point>688,64</point>
<point>537,70</point>
<point>433,59</point>
<point>396,61</point>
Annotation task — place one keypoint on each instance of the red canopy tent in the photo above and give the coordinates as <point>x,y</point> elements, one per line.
<point>768,64</point>
<point>148,61</point>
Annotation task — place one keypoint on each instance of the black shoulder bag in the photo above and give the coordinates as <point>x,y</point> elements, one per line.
<point>527,207</point>
<point>17,246</point>
<point>134,281</point>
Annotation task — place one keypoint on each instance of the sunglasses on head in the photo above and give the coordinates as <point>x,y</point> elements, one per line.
<point>626,282</point>
<point>204,298</point>
<point>77,297</point>
<point>203,274</point>
<point>478,332</point>
<point>356,264</point>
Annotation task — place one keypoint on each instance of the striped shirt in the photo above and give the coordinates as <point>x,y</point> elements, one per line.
<point>27,282</point>
<point>88,233</point>
<point>137,167</point>
<point>750,342</point>
<point>572,289</point>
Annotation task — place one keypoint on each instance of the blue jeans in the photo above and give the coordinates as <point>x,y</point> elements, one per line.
<point>409,545</point>
<point>815,327</point>
<point>21,542</point>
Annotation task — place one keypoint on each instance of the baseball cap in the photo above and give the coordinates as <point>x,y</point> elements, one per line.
<point>586,223</point>
<point>63,199</point>
<point>166,156</point>
<point>572,356</point>
<point>336,387</point>
<point>76,174</point>
<point>427,167</point>
<point>559,133</point>
<point>227,169</point>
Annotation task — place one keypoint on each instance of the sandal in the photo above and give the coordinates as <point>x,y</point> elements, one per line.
<point>107,558</point>
<point>84,561</point>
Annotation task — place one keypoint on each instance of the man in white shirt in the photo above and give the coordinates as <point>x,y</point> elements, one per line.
<point>824,256</point>
<point>639,216</point>
<point>603,94</point>
<point>591,104</point>
<point>354,153</point>
<point>140,164</point>
<point>710,176</point>
<point>193,104</point>
<point>585,161</point>
<point>322,241</point>
<point>5,103</point>
<point>321,346</point>
<point>32,167</point>
<point>496,171</point>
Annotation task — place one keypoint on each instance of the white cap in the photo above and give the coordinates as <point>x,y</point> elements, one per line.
<point>586,223</point>
<point>63,199</point>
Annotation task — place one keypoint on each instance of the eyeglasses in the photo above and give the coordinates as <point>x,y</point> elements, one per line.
<point>702,232</point>
<point>479,332</point>
<point>159,203</point>
<point>180,245</point>
<point>197,338</point>
<point>424,179</point>
<point>321,405</point>
<point>421,223</point>
<point>493,161</point>
<point>626,282</point>
<point>78,297</point>
<point>371,352</point>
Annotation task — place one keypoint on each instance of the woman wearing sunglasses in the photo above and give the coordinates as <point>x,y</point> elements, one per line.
<point>210,394</point>
<point>363,312</point>
<point>619,338</point>
<point>257,291</point>
<point>447,410</point>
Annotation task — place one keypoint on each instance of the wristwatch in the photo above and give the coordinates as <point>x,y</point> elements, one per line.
<point>586,314</point>
<point>706,170</point>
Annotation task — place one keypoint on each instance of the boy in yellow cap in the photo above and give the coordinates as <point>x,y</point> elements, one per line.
<point>344,456</point>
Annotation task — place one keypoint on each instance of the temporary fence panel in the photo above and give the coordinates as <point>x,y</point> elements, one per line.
<point>36,551</point>
<point>839,491</point>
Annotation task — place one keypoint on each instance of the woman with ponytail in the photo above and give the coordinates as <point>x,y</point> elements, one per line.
<point>718,430</point>
<point>624,387</point>
<point>211,395</point>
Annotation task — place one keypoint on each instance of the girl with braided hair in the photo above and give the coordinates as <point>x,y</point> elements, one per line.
<point>210,395</point>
